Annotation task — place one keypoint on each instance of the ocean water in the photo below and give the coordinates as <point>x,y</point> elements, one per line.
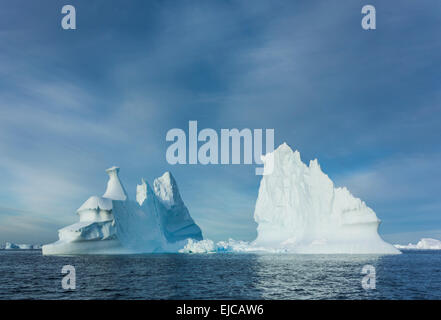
<point>411,275</point>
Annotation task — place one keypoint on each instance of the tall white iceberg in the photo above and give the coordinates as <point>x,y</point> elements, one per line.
<point>300,210</point>
<point>157,221</point>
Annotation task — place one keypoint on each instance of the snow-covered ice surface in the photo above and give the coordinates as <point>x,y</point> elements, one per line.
<point>94,203</point>
<point>299,210</point>
<point>423,244</point>
<point>158,221</point>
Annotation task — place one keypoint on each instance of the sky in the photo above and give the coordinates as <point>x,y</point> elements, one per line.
<point>365,103</point>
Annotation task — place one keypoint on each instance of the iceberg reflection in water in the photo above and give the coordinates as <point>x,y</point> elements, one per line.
<point>411,275</point>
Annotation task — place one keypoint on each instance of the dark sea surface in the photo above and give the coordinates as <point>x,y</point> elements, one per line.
<point>29,275</point>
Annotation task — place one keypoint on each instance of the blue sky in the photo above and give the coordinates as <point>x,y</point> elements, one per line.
<point>367,104</point>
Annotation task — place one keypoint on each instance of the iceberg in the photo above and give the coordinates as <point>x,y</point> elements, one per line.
<point>158,221</point>
<point>299,210</point>
<point>423,244</point>
<point>13,246</point>
<point>203,246</point>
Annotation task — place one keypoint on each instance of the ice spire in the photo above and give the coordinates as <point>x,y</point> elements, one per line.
<point>143,191</point>
<point>166,190</point>
<point>115,190</point>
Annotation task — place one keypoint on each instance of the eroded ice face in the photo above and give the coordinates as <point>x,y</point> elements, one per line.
<point>155,222</point>
<point>299,208</point>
